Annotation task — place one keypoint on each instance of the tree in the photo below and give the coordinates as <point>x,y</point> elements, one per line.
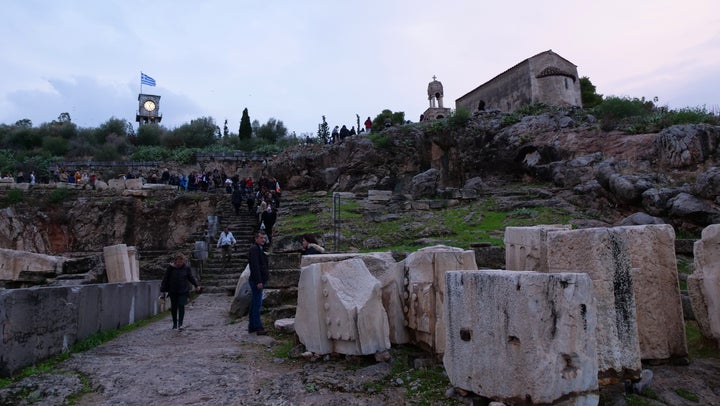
<point>324,131</point>
<point>272,131</point>
<point>396,118</point>
<point>149,135</point>
<point>226,131</point>
<point>199,133</point>
<point>245,131</point>
<point>589,96</point>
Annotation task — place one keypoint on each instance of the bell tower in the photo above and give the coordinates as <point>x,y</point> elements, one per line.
<point>435,97</point>
<point>148,109</point>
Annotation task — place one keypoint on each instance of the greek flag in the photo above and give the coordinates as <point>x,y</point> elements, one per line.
<point>146,80</point>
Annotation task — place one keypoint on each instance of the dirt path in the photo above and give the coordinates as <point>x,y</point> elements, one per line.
<point>214,362</point>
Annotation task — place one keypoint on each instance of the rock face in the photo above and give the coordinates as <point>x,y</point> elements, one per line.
<point>520,336</point>
<point>161,222</point>
<point>631,173</point>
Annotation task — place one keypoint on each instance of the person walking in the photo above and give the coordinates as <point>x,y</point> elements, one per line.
<point>259,273</point>
<point>237,199</point>
<point>226,241</point>
<point>175,285</point>
<point>268,218</point>
<point>368,125</point>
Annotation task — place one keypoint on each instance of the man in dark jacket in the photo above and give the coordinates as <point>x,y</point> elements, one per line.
<point>237,200</point>
<point>175,285</point>
<point>259,273</point>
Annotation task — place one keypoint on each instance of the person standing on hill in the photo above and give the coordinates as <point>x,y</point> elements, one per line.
<point>368,125</point>
<point>175,285</point>
<point>259,274</point>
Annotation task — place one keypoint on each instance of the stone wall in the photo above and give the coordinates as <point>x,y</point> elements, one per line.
<point>544,78</point>
<point>40,323</point>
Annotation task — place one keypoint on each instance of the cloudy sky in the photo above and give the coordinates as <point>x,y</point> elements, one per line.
<point>299,60</point>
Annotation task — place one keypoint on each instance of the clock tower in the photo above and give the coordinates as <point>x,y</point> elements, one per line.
<point>148,109</point>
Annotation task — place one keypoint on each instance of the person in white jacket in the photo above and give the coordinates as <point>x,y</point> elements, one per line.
<point>226,241</point>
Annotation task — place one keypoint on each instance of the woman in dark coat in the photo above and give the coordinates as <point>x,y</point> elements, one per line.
<point>175,285</point>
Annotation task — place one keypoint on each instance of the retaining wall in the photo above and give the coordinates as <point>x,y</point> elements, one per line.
<point>39,323</point>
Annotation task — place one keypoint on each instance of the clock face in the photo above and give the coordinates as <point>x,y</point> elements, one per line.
<point>149,105</point>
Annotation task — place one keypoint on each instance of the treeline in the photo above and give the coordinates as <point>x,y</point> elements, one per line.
<point>27,148</point>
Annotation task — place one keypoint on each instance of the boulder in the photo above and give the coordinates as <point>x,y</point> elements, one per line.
<point>704,283</point>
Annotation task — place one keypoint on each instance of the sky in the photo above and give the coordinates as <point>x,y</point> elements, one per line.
<point>296,61</point>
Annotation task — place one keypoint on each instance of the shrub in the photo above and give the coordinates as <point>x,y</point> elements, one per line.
<point>380,141</point>
<point>59,195</point>
<point>459,117</point>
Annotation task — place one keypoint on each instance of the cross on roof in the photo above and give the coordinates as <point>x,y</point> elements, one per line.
<point>434,77</point>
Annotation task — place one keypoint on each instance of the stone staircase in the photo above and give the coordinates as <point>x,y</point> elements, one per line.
<point>217,275</point>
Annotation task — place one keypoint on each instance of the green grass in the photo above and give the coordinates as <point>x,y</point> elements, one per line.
<point>461,226</point>
<point>14,196</point>
<point>686,394</point>
<point>699,346</point>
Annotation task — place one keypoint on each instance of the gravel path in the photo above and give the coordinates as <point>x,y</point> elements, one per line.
<point>210,362</point>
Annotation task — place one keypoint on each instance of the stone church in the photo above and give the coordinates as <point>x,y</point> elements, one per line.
<point>544,78</point>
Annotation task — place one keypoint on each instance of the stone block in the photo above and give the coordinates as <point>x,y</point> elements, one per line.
<point>133,184</point>
<point>39,323</point>
<point>661,326</point>
<point>379,195</point>
<point>117,263</point>
<point>286,326</point>
<point>605,256</point>
<point>116,184</point>
<point>704,283</point>
<point>425,289</point>
<point>340,309</point>
<point>14,263</point>
<point>514,335</point>
<point>136,193</point>
<point>391,275</point>
<point>526,247</point>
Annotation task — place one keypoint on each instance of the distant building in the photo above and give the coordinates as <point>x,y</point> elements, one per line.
<point>435,97</point>
<point>544,78</point>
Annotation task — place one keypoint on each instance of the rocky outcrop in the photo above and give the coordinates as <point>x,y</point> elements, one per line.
<point>672,175</point>
<point>162,221</point>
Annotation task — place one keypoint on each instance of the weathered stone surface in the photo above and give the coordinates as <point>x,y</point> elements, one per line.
<point>116,184</point>
<point>526,247</point>
<point>605,256</point>
<point>134,184</point>
<point>425,270</point>
<point>661,326</point>
<point>241,300</point>
<point>42,322</point>
<point>117,263</point>
<point>684,145</point>
<point>520,335</point>
<point>286,326</point>
<point>379,195</point>
<point>14,263</point>
<point>391,275</point>
<point>704,283</point>
<point>340,309</point>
